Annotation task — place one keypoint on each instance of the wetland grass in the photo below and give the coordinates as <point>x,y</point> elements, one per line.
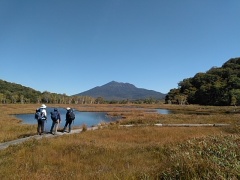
<point>115,152</point>
<point>126,153</point>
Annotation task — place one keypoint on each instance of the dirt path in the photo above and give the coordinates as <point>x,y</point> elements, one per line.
<point>21,140</point>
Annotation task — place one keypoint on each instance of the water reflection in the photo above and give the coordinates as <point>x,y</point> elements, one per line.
<point>88,118</point>
<point>164,111</point>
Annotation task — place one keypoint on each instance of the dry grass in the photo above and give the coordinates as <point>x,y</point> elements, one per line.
<point>114,152</point>
<point>153,118</point>
<point>126,153</point>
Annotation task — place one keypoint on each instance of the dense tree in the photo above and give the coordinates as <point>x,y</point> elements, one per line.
<point>99,100</point>
<point>218,86</point>
<point>16,93</point>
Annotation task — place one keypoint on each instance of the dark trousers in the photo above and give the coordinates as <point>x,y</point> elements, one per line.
<point>40,128</point>
<point>68,123</point>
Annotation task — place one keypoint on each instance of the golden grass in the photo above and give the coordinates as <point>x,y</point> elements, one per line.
<point>101,154</point>
<point>152,118</point>
<point>115,152</point>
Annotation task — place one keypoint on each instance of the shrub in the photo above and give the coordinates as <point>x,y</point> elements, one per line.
<point>84,127</point>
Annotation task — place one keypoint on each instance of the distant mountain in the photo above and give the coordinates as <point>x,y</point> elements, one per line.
<point>121,91</point>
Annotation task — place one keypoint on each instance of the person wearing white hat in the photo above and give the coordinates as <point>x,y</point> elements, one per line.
<point>43,106</point>
<point>43,111</point>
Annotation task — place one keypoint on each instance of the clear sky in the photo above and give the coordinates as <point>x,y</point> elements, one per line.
<point>70,46</point>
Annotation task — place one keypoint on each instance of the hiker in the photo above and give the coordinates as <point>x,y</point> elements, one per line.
<point>39,121</point>
<point>70,116</point>
<point>41,117</point>
<point>56,119</point>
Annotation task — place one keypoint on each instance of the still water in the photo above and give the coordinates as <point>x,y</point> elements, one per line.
<point>164,111</point>
<point>88,118</point>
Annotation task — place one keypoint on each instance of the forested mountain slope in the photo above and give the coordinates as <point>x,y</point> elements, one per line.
<point>16,93</point>
<point>217,86</point>
<point>12,92</point>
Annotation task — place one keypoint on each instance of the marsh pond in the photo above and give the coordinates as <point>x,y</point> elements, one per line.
<point>87,118</point>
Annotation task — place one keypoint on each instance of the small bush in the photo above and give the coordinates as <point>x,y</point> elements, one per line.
<point>84,127</point>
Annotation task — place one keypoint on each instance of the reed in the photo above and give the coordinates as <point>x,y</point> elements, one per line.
<point>126,153</point>
<point>116,152</point>
<point>153,118</point>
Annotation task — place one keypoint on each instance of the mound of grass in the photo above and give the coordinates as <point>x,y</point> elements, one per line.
<point>214,157</point>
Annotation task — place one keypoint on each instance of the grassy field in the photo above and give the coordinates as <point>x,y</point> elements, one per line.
<point>116,152</point>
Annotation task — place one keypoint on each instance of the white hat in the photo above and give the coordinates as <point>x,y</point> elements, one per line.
<point>43,106</point>
<point>68,108</point>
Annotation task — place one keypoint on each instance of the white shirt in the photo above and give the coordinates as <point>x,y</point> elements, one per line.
<point>44,111</point>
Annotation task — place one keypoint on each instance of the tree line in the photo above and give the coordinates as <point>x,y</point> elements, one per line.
<point>219,86</point>
<point>16,93</point>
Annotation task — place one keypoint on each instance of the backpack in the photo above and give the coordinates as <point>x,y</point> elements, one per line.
<point>42,115</point>
<point>54,115</point>
<point>38,115</point>
<point>71,115</point>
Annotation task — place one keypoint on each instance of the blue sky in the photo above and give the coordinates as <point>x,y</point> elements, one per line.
<point>70,46</point>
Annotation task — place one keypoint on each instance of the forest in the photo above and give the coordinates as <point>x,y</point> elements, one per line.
<point>16,93</point>
<point>12,93</point>
<point>219,86</point>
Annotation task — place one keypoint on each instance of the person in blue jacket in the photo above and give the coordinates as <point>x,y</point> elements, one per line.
<point>56,119</point>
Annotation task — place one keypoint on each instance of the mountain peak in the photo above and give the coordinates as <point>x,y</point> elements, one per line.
<point>118,84</point>
<point>121,91</point>
<point>113,82</point>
